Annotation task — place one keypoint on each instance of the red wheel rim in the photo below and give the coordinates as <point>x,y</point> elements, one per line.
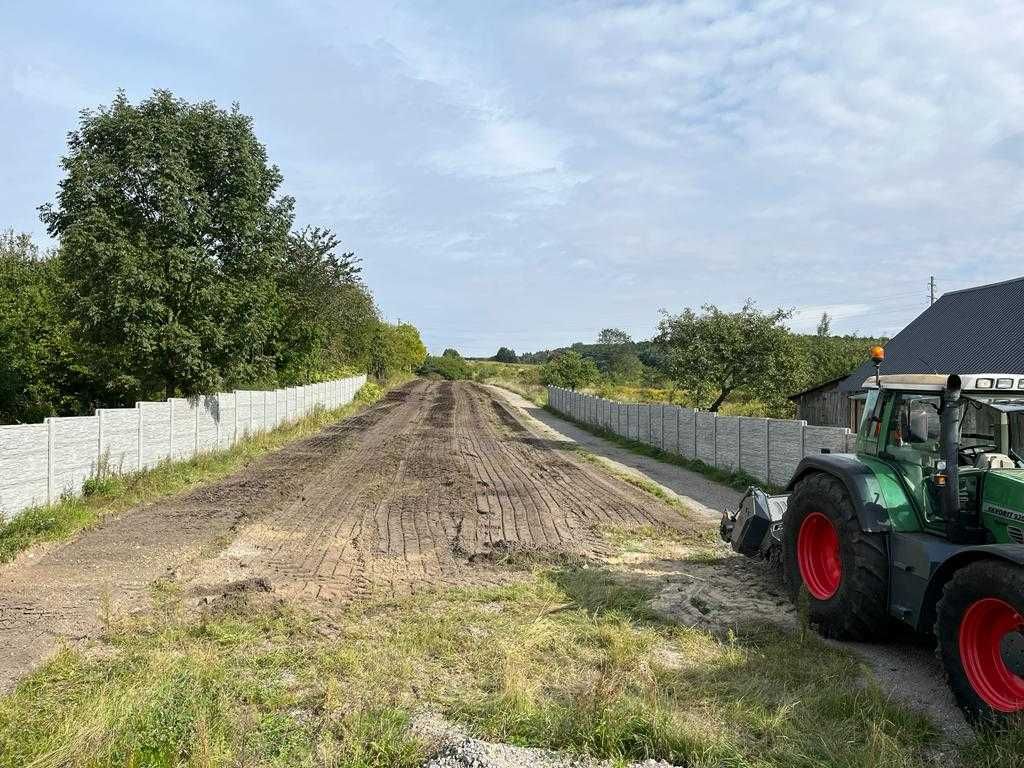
<point>817,554</point>
<point>982,632</point>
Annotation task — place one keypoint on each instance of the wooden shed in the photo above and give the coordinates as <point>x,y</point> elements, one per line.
<point>825,405</point>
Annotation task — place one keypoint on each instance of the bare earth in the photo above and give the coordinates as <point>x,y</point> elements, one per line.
<point>436,485</point>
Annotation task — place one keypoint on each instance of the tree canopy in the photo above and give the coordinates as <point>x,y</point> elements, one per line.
<point>613,336</point>
<point>171,232</point>
<point>505,355</point>
<point>716,353</point>
<point>570,370</point>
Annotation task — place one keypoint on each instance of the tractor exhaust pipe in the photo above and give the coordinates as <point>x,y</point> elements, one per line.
<point>949,428</point>
<point>962,525</point>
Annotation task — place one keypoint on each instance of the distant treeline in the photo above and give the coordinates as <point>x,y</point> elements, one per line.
<point>711,357</point>
<point>178,271</point>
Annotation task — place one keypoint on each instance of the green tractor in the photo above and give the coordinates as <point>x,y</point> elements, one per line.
<point>923,526</point>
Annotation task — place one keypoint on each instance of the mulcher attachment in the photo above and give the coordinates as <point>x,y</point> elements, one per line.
<point>755,529</point>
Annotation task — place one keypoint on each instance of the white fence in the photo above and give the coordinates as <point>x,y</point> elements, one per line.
<point>766,449</point>
<point>39,463</point>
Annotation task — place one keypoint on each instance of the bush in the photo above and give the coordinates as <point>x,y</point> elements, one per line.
<point>445,367</point>
<point>570,370</point>
<point>369,393</point>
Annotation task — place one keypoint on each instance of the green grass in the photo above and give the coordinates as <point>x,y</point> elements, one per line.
<point>568,659</point>
<point>738,480</point>
<point>111,494</point>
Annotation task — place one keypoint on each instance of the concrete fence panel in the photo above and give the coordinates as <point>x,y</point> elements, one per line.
<point>208,424</point>
<point>154,432</point>
<point>118,439</point>
<point>785,449</point>
<point>819,439</point>
<point>644,422</point>
<point>226,423</point>
<point>280,406</point>
<point>243,413</point>
<point>727,442</point>
<point>657,426</point>
<point>261,421</point>
<point>74,453</point>
<point>24,467</point>
<point>293,404</point>
<point>688,433</point>
<point>754,447</point>
<point>851,442</point>
<point>706,449</point>
<point>670,429</point>
<point>183,428</point>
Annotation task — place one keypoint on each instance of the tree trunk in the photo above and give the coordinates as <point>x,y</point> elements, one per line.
<point>721,399</point>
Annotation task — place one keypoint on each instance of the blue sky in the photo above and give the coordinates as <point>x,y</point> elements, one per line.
<point>526,174</point>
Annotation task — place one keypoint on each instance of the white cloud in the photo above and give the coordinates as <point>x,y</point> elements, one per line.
<point>52,86</point>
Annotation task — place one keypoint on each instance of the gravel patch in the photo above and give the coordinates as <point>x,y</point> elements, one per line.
<point>452,747</point>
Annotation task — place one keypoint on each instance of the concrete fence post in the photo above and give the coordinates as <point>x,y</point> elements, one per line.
<point>49,461</point>
<point>141,412</point>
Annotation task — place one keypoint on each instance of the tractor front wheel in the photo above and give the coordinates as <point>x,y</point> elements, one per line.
<point>844,570</point>
<point>980,630</point>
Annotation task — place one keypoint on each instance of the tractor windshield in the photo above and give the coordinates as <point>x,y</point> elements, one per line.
<point>993,424</point>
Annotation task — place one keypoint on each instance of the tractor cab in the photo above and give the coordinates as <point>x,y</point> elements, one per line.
<point>979,452</point>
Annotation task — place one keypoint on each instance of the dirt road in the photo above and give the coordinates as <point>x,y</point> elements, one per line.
<point>434,485</point>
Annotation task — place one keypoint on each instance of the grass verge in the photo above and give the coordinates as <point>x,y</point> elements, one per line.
<point>568,658</point>
<point>112,494</point>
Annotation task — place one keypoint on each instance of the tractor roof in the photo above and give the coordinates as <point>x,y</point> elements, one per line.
<point>935,382</point>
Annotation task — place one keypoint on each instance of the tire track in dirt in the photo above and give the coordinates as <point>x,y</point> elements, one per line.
<point>437,484</point>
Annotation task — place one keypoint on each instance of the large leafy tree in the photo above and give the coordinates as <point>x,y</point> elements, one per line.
<point>714,354</point>
<point>171,233</point>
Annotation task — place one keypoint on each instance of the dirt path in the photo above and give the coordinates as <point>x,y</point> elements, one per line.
<point>431,486</point>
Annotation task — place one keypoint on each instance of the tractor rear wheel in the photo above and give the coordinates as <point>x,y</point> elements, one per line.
<point>844,570</point>
<point>980,629</point>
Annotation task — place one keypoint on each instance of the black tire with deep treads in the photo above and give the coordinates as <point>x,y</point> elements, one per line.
<point>987,578</point>
<point>859,609</point>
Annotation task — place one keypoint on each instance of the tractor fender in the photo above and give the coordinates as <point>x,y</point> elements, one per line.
<point>860,481</point>
<point>943,571</point>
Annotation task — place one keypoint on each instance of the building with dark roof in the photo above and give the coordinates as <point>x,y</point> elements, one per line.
<point>825,405</point>
<point>976,330</point>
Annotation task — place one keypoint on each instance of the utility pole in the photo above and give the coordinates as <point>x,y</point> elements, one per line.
<point>931,289</point>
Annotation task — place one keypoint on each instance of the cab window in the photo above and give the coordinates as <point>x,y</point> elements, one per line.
<point>912,440</point>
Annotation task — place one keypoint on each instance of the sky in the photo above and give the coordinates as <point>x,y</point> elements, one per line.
<point>525,174</point>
